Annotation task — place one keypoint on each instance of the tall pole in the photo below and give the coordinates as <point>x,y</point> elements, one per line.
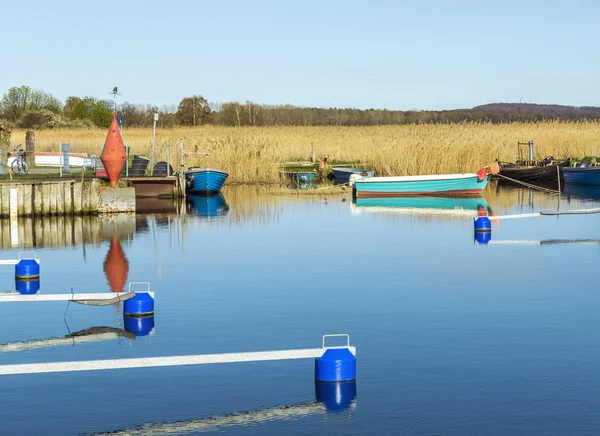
<point>153,142</point>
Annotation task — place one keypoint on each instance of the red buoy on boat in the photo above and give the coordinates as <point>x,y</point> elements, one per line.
<point>114,155</point>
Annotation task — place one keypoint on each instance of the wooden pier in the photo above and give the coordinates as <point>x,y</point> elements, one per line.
<point>44,198</point>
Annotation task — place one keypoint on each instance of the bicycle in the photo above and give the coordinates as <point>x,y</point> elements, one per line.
<point>19,166</point>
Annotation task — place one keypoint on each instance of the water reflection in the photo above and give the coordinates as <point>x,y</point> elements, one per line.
<point>582,191</point>
<point>116,266</point>
<point>336,397</point>
<point>248,419</point>
<point>207,206</point>
<point>92,334</point>
<point>156,205</point>
<point>139,326</point>
<point>65,231</point>
<point>425,206</point>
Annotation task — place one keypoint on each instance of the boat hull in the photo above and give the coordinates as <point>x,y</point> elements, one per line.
<point>547,173</point>
<point>342,175</point>
<point>449,185</point>
<point>582,176</point>
<point>204,181</point>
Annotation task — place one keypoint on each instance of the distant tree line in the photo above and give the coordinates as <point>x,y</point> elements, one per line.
<point>36,109</point>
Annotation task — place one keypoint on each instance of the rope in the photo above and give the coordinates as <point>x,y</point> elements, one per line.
<point>331,187</point>
<point>529,185</point>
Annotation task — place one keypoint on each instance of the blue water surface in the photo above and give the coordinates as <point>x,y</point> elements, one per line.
<point>452,337</point>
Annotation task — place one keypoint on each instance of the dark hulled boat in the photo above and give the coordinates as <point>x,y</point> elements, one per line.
<point>545,171</point>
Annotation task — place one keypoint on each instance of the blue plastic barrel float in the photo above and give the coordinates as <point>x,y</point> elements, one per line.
<point>27,269</point>
<point>335,365</point>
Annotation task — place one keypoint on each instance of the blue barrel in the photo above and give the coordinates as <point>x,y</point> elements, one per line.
<point>27,287</point>
<point>335,365</point>
<point>140,325</point>
<point>337,397</point>
<point>27,269</point>
<point>483,238</point>
<point>483,224</point>
<point>140,305</point>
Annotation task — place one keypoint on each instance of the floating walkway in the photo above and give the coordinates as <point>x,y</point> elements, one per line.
<point>91,299</point>
<point>544,242</point>
<point>15,262</point>
<point>545,213</point>
<point>333,364</point>
<point>153,362</point>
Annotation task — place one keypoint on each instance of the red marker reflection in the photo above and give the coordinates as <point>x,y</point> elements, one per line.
<point>116,266</point>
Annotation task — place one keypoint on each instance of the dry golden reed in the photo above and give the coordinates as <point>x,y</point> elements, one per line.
<point>253,154</point>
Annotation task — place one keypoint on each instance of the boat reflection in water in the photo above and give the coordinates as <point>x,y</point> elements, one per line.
<point>423,206</point>
<point>207,205</point>
<point>582,191</point>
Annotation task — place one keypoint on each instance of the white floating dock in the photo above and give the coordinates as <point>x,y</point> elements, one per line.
<point>13,261</point>
<point>92,299</point>
<point>545,213</point>
<point>152,362</point>
<point>544,241</point>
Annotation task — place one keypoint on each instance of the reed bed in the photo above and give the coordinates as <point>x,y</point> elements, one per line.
<point>252,155</point>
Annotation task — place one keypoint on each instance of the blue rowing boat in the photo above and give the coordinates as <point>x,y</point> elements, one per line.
<point>445,185</point>
<point>204,181</point>
<point>582,175</point>
<point>342,175</point>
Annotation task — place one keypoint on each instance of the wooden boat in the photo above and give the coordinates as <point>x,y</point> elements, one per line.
<point>582,175</point>
<point>445,185</point>
<point>204,181</point>
<point>545,171</point>
<point>342,175</point>
<point>447,206</point>
<point>208,205</point>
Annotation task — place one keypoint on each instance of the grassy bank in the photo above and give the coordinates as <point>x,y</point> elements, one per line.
<point>253,154</point>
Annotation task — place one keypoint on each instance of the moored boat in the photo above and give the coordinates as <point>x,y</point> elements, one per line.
<point>546,171</point>
<point>204,180</point>
<point>445,185</point>
<point>582,175</point>
<point>342,175</point>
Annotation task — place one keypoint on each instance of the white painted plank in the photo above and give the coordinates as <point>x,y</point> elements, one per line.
<point>96,296</point>
<point>14,261</point>
<point>151,362</point>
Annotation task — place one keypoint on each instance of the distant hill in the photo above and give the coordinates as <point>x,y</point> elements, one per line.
<point>553,110</point>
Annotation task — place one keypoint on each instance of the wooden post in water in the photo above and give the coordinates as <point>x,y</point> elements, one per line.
<point>558,173</point>
<point>30,147</point>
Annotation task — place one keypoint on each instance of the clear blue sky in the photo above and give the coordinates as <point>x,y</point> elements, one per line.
<point>419,54</point>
